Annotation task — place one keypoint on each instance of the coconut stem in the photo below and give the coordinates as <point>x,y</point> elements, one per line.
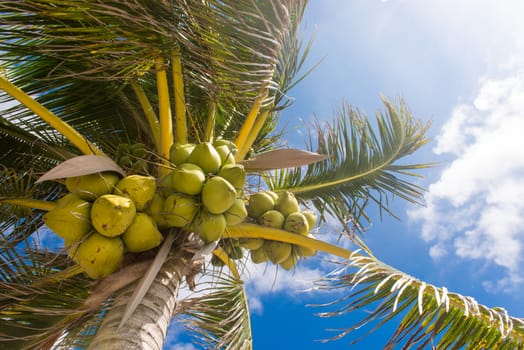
<point>210,125</point>
<point>180,101</point>
<point>166,122</point>
<point>49,117</point>
<point>31,203</point>
<point>149,112</point>
<point>257,231</point>
<point>221,254</point>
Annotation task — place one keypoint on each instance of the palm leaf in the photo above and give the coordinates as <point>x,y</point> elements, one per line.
<point>219,319</point>
<point>428,315</point>
<point>362,165</point>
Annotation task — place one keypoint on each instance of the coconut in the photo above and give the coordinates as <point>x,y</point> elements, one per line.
<point>277,251</point>
<point>236,213</point>
<point>70,218</point>
<point>296,223</point>
<point>216,261</point>
<point>290,262</point>
<point>259,203</point>
<point>251,243</point>
<point>305,251</point>
<point>111,214</point>
<point>99,256</point>
<point>179,153</point>
<point>311,218</point>
<point>156,210</point>
<point>287,203</point>
<point>140,189</point>
<point>138,150</point>
<point>271,218</point>
<point>142,235</point>
<point>218,195</point>
<point>188,178</point>
<point>233,250</point>
<point>230,144</point>
<point>235,174</point>
<point>205,156</point>
<point>91,186</point>
<point>209,227</point>
<point>179,210</point>
<point>273,195</point>
<point>226,156</point>
<point>259,255</point>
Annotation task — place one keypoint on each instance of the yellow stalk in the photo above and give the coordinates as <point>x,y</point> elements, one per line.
<point>257,231</point>
<point>210,125</point>
<point>259,123</point>
<point>166,122</point>
<point>221,254</point>
<point>180,100</point>
<point>49,117</point>
<point>248,123</point>
<point>30,203</point>
<point>149,113</point>
<point>60,276</point>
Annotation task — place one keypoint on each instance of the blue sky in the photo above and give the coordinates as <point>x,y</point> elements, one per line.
<point>460,65</point>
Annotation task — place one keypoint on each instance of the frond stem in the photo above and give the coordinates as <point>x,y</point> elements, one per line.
<point>30,203</point>
<point>248,124</point>
<point>166,122</point>
<point>222,255</point>
<point>180,100</point>
<point>257,127</point>
<point>149,112</point>
<point>49,117</point>
<point>210,123</point>
<point>257,231</point>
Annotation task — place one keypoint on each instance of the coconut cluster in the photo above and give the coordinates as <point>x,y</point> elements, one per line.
<point>133,157</point>
<point>203,192</point>
<point>280,211</point>
<point>102,217</point>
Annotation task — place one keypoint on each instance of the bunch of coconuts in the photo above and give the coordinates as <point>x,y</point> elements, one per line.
<point>280,211</point>
<point>105,216</point>
<point>102,217</point>
<point>133,156</point>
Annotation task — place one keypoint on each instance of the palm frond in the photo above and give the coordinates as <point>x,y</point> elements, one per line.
<point>219,319</point>
<point>363,165</point>
<point>427,316</point>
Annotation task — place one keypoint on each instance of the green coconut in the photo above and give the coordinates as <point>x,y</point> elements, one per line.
<point>259,203</point>
<point>91,186</point>
<point>138,150</point>
<point>271,218</point>
<point>230,144</point>
<point>259,255</point>
<point>311,218</point>
<point>296,223</point>
<point>70,219</point>
<point>112,214</point>
<point>142,234</point>
<point>290,262</point>
<point>251,243</point>
<point>205,156</point>
<point>218,195</point>
<point>226,156</point>
<point>235,174</point>
<point>156,210</point>
<point>277,251</point>
<point>99,256</point>
<point>188,178</point>
<point>306,251</point>
<point>237,213</point>
<point>287,203</point>
<point>140,189</point>
<point>208,226</point>
<point>179,153</point>
<point>179,210</point>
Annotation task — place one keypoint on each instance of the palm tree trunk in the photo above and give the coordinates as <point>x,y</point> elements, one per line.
<point>147,327</point>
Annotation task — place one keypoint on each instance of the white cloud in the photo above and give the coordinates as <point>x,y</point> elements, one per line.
<point>475,209</point>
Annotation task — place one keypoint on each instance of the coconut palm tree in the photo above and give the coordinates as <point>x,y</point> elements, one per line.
<point>85,82</point>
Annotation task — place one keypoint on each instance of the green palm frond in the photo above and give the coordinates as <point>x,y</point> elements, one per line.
<point>429,315</point>
<point>363,164</point>
<point>35,306</point>
<point>219,319</point>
